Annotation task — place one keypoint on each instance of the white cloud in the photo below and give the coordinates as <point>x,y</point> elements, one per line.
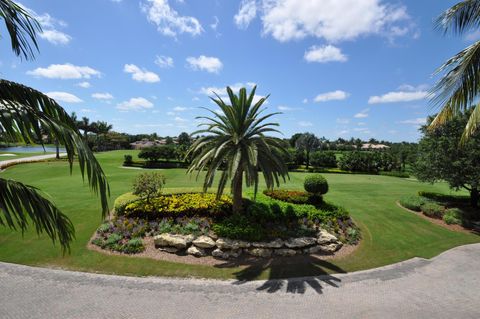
<point>141,75</point>
<point>416,122</point>
<point>64,97</point>
<point>164,61</point>
<point>135,104</point>
<point>170,113</point>
<point>361,115</point>
<point>222,92</point>
<point>180,108</point>
<point>332,96</point>
<point>305,101</point>
<point>50,27</point>
<point>102,96</point>
<point>246,13</point>
<point>55,36</point>
<point>84,84</point>
<point>180,119</point>
<point>88,111</point>
<point>332,20</point>
<point>324,54</point>
<point>65,72</point>
<point>205,63</point>
<point>284,108</point>
<point>214,25</point>
<point>168,21</point>
<point>305,124</point>
<point>343,121</point>
<point>399,96</point>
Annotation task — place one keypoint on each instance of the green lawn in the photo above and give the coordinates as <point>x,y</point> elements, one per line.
<point>390,234</point>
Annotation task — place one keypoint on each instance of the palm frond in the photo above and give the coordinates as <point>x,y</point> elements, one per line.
<point>460,18</point>
<point>20,203</point>
<point>22,28</point>
<point>23,111</point>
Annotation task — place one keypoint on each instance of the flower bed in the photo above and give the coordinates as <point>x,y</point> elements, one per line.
<point>191,216</point>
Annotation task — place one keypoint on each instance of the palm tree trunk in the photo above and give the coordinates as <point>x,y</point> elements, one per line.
<point>237,192</point>
<point>57,149</point>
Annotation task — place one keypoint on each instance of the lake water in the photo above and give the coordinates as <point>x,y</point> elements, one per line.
<point>30,149</point>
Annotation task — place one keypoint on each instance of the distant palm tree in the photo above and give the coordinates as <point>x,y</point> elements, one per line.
<point>236,145</point>
<point>85,126</point>
<point>459,88</point>
<point>102,127</point>
<point>23,113</point>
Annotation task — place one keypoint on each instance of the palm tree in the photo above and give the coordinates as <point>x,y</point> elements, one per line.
<point>85,126</point>
<point>235,144</point>
<point>102,127</point>
<point>458,90</point>
<point>308,142</point>
<point>23,113</point>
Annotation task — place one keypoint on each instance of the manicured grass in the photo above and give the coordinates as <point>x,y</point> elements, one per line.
<point>390,234</point>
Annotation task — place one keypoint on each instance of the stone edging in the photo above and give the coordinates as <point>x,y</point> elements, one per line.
<point>224,248</point>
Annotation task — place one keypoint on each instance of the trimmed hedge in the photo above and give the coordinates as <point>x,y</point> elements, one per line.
<point>316,184</point>
<point>433,210</point>
<point>295,197</point>
<point>189,204</point>
<point>412,202</point>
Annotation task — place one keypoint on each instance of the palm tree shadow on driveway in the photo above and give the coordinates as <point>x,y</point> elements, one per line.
<point>292,274</point>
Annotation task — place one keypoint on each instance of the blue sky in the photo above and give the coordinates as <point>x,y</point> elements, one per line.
<point>337,68</point>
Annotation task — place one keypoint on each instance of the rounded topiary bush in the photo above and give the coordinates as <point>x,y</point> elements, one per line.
<point>316,184</point>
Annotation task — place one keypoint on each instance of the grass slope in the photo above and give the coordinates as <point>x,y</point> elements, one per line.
<point>390,234</point>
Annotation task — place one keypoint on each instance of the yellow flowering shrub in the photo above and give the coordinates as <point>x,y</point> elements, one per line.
<point>191,204</point>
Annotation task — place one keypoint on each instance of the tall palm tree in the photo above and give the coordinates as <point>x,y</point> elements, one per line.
<point>459,88</point>
<point>23,113</point>
<point>235,146</point>
<point>102,127</point>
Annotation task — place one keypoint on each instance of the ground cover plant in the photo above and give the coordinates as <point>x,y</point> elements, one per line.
<point>390,234</point>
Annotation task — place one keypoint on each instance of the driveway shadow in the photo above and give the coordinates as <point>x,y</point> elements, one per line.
<point>290,274</point>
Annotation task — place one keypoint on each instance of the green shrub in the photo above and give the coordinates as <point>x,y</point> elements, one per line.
<point>412,202</point>
<point>112,240</point>
<point>323,159</point>
<point>105,227</point>
<point>295,197</point>
<point>453,216</point>
<point>127,160</point>
<point>444,197</point>
<point>240,227</point>
<point>316,184</point>
<point>395,174</point>
<point>122,201</point>
<point>147,185</point>
<point>433,210</point>
<point>194,204</point>
<point>133,246</point>
<point>352,235</point>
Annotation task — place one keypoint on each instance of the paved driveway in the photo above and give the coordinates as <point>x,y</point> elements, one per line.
<point>448,286</point>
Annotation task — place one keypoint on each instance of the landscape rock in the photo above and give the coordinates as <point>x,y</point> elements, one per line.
<point>173,240</point>
<point>285,252</point>
<point>218,253</point>
<point>325,237</point>
<point>260,252</point>
<point>235,253</point>
<point>196,251</point>
<point>277,243</point>
<point>313,250</point>
<point>171,250</point>
<point>225,243</point>
<point>331,248</point>
<point>300,242</point>
<point>204,242</point>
